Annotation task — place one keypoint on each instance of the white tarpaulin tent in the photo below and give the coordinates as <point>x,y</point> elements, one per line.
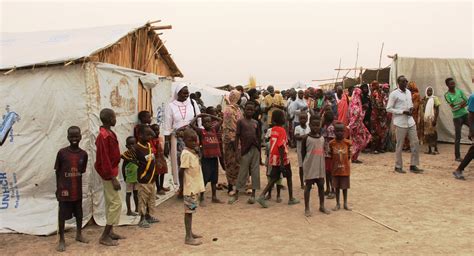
<point>432,72</point>
<point>209,95</point>
<point>49,99</point>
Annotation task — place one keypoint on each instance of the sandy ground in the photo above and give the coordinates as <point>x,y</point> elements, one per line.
<point>432,212</point>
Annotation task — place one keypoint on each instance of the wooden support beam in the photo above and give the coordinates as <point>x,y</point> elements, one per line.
<point>161,27</point>
<point>68,63</point>
<point>155,21</point>
<point>9,71</point>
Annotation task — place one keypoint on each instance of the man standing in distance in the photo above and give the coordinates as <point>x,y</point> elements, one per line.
<point>401,106</point>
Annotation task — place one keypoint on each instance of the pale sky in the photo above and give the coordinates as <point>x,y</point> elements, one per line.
<point>216,43</point>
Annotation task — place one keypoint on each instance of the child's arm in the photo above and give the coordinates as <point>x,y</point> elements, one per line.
<point>194,124</point>
<point>237,135</point>
<point>303,147</point>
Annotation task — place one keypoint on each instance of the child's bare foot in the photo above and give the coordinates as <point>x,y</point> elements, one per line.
<point>116,236</point>
<point>107,241</point>
<point>323,210</point>
<point>196,236</point>
<point>216,201</point>
<point>307,213</point>
<point>130,213</point>
<point>61,246</point>
<point>346,207</point>
<point>337,208</point>
<point>192,241</point>
<point>81,239</point>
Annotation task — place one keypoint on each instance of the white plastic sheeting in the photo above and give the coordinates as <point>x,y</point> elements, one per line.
<point>432,72</point>
<point>24,49</point>
<point>49,100</point>
<point>209,95</point>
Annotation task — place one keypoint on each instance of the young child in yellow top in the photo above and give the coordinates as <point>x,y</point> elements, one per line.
<point>193,183</point>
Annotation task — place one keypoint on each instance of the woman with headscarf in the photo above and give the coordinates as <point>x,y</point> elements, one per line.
<point>429,112</point>
<point>389,143</point>
<point>416,99</point>
<point>378,118</point>
<point>178,115</point>
<point>232,114</point>
<point>359,134</point>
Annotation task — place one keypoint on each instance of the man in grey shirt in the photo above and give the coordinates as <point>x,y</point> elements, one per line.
<point>401,106</point>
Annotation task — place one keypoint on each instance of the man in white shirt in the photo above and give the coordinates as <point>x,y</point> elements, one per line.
<point>401,106</point>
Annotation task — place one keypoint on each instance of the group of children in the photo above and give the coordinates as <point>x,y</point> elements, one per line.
<point>323,153</point>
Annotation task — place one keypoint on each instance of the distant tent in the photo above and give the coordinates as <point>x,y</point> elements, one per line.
<point>432,72</point>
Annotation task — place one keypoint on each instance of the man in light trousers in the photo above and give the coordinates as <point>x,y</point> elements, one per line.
<point>401,106</point>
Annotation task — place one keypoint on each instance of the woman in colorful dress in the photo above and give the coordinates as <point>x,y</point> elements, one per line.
<point>378,119</point>
<point>359,134</point>
<point>232,114</point>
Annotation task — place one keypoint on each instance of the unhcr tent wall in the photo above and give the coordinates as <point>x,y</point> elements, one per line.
<point>48,101</point>
<point>432,72</point>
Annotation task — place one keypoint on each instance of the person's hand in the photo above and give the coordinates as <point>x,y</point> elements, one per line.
<point>116,184</point>
<point>406,112</point>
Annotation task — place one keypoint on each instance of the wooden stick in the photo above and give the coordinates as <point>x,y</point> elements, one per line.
<point>357,58</point>
<point>161,27</point>
<point>380,62</point>
<point>10,71</point>
<point>337,76</point>
<point>155,21</point>
<point>68,63</point>
<point>374,220</point>
<point>152,56</point>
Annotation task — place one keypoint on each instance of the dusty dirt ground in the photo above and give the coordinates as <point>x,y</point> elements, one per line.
<point>432,212</point>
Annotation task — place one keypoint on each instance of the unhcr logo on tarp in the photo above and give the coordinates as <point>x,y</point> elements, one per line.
<point>6,127</point>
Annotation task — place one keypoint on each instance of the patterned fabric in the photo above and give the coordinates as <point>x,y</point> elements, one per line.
<point>231,161</point>
<point>231,115</point>
<point>416,98</point>
<point>340,151</point>
<point>209,143</point>
<point>69,166</point>
<point>430,135</point>
<point>379,126</point>
<point>359,133</point>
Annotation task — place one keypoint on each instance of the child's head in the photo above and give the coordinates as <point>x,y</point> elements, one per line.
<point>130,142</point>
<point>144,117</point>
<point>314,124</point>
<point>429,91</point>
<point>278,117</point>
<point>339,129</point>
<point>156,129</point>
<point>219,108</point>
<point>107,117</point>
<point>450,83</point>
<point>207,123</point>
<point>211,111</point>
<point>198,95</point>
<point>303,118</point>
<point>145,133</point>
<point>190,138</point>
<point>328,117</point>
<point>249,109</point>
<point>74,135</point>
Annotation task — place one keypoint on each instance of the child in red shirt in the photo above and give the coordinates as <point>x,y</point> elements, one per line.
<point>279,162</point>
<point>210,152</point>
<point>71,163</point>
<point>161,165</point>
<point>106,165</point>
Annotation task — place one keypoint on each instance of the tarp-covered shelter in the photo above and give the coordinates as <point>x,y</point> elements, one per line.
<point>56,79</point>
<point>433,72</point>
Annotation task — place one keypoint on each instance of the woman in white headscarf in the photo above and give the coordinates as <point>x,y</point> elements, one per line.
<point>429,111</point>
<point>178,115</point>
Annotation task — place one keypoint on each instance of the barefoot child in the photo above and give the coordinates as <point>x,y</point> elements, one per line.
<point>312,150</point>
<point>279,162</point>
<point>278,183</point>
<point>71,163</point>
<point>129,172</point>
<point>161,166</point>
<point>328,134</point>
<point>193,184</point>
<point>340,150</point>
<point>300,131</point>
<point>146,176</point>
<point>211,152</point>
<point>106,165</point>
<point>248,135</point>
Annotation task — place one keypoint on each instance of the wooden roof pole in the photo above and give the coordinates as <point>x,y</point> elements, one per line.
<point>380,62</point>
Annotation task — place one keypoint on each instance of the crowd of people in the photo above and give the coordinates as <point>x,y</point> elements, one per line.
<point>329,130</point>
